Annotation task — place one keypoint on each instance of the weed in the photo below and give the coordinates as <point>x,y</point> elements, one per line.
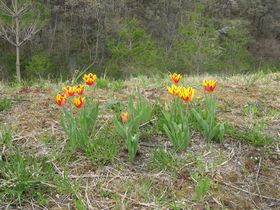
<point>5,135</point>
<point>164,160</point>
<point>160,120</point>
<point>80,205</point>
<point>5,104</point>
<point>65,185</point>
<point>24,177</point>
<point>254,135</point>
<point>103,149</point>
<point>251,79</point>
<point>114,105</point>
<point>202,186</point>
<point>148,190</point>
<point>252,109</point>
<point>257,109</point>
<point>102,83</point>
<point>116,85</point>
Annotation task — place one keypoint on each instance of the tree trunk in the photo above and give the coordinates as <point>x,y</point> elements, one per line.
<point>18,64</point>
<point>17,44</point>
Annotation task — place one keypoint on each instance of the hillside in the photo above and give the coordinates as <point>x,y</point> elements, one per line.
<point>240,172</point>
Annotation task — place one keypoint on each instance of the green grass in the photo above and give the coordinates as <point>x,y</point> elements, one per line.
<point>102,83</point>
<point>104,148</point>
<point>162,160</point>
<point>148,190</point>
<point>5,135</point>
<point>202,187</point>
<point>253,136</point>
<point>24,177</point>
<point>108,84</point>
<point>5,104</point>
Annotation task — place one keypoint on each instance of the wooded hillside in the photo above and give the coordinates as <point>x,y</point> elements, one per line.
<point>123,37</point>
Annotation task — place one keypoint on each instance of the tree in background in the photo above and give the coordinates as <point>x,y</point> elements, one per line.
<point>196,46</point>
<point>133,51</point>
<point>19,22</point>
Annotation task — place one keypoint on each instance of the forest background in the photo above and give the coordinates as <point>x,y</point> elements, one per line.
<point>120,38</point>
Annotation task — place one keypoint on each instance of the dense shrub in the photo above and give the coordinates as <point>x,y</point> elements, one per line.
<point>133,51</point>
<point>40,66</point>
<point>201,46</point>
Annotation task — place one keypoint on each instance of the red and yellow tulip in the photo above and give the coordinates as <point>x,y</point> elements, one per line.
<point>69,90</point>
<point>175,77</point>
<point>125,116</point>
<point>186,94</point>
<point>60,99</point>
<point>209,85</point>
<point>174,90</point>
<point>79,101</point>
<point>80,89</point>
<point>89,79</point>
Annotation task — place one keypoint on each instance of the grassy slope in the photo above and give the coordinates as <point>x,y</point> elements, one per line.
<point>160,178</point>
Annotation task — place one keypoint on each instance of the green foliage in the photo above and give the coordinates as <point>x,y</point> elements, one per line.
<point>80,128</point>
<point>5,135</point>
<point>207,122</point>
<point>251,79</point>
<point>196,48</point>
<point>40,66</point>
<point>252,109</point>
<point>133,52</point>
<point>80,205</point>
<point>139,112</point>
<point>202,187</point>
<point>103,149</point>
<point>116,84</point>
<point>109,84</point>
<point>176,124</point>
<point>162,160</point>
<point>102,83</point>
<point>5,104</point>
<point>8,61</point>
<point>65,184</point>
<point>201,46</point>
<point>233,42</point>
<point>24,177</point>
<point>254,135</point>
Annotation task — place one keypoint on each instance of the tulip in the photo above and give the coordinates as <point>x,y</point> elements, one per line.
<point>209,85</point>
<point>79,101</point>
<point>80,89</point>
<point>174,90</point>
<point>89,79</point>
<point>175,77</point>
<point>124,116</point>
<point>60,99</point>
<point>70,91</point>
<point>186,94</point>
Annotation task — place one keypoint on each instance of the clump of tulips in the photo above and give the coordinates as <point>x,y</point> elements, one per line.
<point>128,124</point>
<point>78,118</point>
<point>206,119</point>
<point>176,116</point>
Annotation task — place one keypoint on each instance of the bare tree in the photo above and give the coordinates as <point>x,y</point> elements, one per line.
<point>20,20</point>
